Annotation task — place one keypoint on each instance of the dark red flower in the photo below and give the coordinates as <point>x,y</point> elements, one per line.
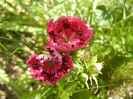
<point>49,67</point>
<point>68,33</point>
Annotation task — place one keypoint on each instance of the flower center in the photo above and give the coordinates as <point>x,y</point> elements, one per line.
<point>48,60</point>
<point>50,63</point>
<point>68,39</point>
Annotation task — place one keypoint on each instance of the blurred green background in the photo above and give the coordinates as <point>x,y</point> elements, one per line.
<point>23,32</point>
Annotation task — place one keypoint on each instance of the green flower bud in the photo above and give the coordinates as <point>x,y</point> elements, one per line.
<point>84,77</point>
<point>97,66</point>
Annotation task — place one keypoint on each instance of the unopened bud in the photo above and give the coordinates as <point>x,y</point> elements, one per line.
<point>84,77</point>
<point>97,66</point>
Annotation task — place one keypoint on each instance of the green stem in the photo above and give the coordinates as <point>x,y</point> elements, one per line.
<point>124,14</point>
<point>93,10</point>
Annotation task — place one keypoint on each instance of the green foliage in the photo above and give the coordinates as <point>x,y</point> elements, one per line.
<point>83,95</point>
<point>23,32</point>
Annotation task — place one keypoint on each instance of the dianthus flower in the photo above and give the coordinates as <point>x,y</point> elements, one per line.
<point>49,67</point>
<point>68,33</point>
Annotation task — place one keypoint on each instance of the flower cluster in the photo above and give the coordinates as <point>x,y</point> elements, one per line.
<point>65,34</point>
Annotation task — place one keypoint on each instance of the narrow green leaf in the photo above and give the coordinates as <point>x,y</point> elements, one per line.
<point>96,81</point>
<point>7,7</point>
<point>3,47</point>
<point>17,27</point>
<point>7,80</point>
<point>40,13</point>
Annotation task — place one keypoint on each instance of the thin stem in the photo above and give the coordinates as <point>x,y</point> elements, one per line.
<point>124,13</point>
<point>93,10</point>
